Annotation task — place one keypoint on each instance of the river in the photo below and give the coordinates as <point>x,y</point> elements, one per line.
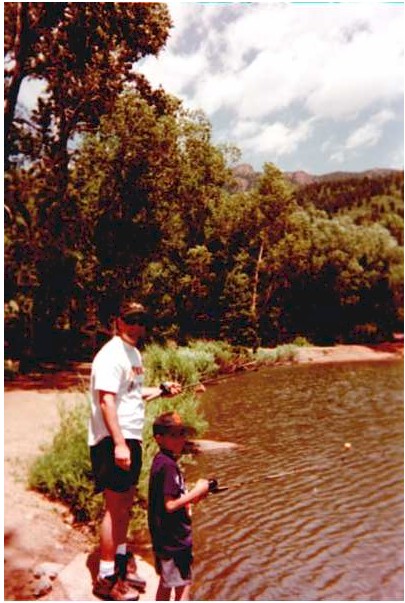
<point>334,529</point>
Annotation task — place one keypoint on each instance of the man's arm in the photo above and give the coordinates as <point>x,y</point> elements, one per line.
<point>171,388</point>
<point>122,454</point>
<point>150,393</point>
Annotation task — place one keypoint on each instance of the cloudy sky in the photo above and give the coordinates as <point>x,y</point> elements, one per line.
<point>307,86</point>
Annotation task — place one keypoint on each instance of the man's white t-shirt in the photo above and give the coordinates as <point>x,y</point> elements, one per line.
<point>117,368</point>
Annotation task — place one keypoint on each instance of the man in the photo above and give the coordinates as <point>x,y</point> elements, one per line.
<point>115,440</point>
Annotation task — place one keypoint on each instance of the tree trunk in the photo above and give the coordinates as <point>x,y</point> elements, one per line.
<point>253,307</point>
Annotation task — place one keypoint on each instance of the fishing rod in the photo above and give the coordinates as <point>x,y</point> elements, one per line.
<point>253,365</point>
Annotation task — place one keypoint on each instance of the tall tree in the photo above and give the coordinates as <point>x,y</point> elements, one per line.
<point>84,53</point>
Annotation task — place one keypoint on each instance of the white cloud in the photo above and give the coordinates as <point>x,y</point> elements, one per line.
<point>336,60</point>
<point>370,133</point>
<point>279,139</point>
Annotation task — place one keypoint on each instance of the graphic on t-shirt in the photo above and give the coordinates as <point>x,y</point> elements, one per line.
<point>135,377</point>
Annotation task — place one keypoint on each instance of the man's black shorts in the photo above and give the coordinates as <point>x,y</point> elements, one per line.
<point>107,474</point>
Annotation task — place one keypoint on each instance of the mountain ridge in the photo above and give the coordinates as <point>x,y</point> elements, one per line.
<point>245,175</point>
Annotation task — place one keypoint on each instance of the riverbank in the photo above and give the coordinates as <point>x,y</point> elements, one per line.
<point>37,530</point>
<point>350,353</point>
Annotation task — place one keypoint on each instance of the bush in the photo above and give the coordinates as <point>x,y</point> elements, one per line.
<point>186,364</point>
<point>63,471</point>
<point>301,342</point>
<point>282,353</point>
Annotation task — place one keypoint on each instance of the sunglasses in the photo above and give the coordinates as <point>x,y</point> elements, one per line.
<point>136,319</point>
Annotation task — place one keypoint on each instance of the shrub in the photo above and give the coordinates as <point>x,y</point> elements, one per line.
<point>186,364</point>
<point>282,353</point>
<point>301,342</point>
<point>63,471</point>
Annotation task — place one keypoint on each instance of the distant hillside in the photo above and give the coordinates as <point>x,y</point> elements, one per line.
<point>245,176</point>
<point>303,179</point>
<point>369,197</point>
<point>344,191</point>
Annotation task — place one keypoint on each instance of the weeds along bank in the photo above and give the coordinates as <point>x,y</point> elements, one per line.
<point>62,471</point>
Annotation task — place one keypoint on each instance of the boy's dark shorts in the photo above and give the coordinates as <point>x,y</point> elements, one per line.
<point>106,474</point>
<point>175,570</point>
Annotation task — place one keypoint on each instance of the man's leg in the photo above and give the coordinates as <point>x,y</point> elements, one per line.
<point>114,525</point>
<point>114,528</point>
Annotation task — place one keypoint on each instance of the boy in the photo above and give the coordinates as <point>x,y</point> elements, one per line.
<point>169,515</point>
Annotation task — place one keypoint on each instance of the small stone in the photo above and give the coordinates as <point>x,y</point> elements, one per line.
<point>42,586</point>
<point>51,569</point>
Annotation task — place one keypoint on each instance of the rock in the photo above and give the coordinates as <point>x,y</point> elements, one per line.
<point>212,446</point>
<point>42,586</point>
<point>49,569</point>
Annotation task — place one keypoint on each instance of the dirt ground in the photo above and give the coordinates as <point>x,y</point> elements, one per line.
<point>37,530</point>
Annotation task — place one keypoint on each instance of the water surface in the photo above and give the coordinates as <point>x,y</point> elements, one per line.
<point>333,531</point>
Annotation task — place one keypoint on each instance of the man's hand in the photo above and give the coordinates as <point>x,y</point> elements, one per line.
<point>170,388</point>
<point>122,456</point>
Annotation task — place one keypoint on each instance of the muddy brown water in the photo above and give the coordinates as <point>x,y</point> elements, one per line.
<point>332,531</point>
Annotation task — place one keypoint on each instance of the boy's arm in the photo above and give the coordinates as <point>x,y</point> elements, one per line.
<point>199,491</point>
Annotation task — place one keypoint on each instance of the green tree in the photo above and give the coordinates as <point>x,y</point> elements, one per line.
<point>338,276</point>
<point>148,183</point>
<point>84,53</point>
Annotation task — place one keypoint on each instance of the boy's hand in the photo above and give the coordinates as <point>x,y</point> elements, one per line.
<point>170,388</point>
<point>200,490</point>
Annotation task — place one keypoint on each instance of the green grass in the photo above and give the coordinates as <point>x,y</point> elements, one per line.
<point>186,364</point>
<point>282,353</point>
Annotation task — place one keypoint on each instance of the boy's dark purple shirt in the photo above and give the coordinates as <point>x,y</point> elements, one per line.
<point>170,532</point>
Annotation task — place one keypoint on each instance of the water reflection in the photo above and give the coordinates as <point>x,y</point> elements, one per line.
<point>333,532</point>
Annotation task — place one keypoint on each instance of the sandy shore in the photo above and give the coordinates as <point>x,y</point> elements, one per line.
<point>351,353</point>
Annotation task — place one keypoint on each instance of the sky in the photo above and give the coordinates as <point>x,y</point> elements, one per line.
<point>312,86</point>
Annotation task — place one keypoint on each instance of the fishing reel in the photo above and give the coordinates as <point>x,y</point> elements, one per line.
<point>214,487</point>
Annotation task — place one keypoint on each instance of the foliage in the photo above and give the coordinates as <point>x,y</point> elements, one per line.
<point>63,471</point>
<point>301,342</point>
<point>116,190</point>
<point>83,53</point>
<point>282,353</point>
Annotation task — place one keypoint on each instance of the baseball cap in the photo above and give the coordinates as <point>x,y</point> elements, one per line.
<point>171,422</point>
<point>134,313</point>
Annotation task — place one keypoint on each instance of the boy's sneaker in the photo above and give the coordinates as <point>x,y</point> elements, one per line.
<point>112,588</point>
<point>125,567</point>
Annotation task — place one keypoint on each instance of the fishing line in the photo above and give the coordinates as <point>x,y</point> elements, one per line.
<point>216,488</point>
